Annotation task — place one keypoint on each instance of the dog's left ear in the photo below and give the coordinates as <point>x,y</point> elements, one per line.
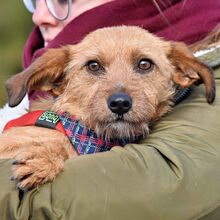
<point>189,70</point>
<point>46,73</point>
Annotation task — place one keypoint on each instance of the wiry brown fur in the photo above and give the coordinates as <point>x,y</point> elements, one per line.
<point>64,73</point>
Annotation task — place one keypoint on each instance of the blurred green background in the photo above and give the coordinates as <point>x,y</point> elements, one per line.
<point>15,26</point>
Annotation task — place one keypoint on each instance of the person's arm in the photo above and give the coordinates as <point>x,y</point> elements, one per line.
<point>173,174</point>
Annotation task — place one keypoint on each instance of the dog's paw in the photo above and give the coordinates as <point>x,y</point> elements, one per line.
<point>34,167</point>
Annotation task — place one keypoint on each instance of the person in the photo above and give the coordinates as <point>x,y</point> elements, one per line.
<point>49,26</point>
<point>173,174</point>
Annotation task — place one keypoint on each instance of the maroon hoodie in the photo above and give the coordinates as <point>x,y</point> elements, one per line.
<point>182,20</point>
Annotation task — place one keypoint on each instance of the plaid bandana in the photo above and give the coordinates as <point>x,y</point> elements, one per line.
<point>85,140</point>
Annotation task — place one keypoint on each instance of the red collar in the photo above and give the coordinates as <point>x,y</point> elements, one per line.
<point>84,140</point>
<point>39,118</point>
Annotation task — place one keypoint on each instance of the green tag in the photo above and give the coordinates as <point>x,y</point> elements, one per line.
<point>48,119</point>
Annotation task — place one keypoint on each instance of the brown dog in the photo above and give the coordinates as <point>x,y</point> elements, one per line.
<point>117,81</point>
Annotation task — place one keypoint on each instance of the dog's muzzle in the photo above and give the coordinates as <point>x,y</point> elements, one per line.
<point>119,103</point>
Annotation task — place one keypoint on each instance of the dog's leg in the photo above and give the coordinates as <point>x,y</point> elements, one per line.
<point>39,154</point>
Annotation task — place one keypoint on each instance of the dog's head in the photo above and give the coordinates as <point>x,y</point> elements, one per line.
<point>117,80</point>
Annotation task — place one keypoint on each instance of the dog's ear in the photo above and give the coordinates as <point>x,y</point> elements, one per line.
<point>46,73</point>
<point>189,70</point>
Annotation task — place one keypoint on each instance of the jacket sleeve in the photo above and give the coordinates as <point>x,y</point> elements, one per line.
<point>173,174</point>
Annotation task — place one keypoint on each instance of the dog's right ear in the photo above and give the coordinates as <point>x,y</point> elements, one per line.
<point>189,70</point>
<point>46,73</point>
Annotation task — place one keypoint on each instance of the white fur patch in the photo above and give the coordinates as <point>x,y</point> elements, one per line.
<point>7,113</point>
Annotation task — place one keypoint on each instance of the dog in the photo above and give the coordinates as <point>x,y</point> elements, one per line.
<point>117,81</point>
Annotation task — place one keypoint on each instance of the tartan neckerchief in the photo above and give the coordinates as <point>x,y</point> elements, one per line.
<point>83,139</point>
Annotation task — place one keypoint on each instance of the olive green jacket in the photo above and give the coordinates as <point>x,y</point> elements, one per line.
<point>172,175</point>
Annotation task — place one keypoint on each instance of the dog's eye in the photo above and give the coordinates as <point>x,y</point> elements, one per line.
<point>93,66</point>
<point>145,65</point>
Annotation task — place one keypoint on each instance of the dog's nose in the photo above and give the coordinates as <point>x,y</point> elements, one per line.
<point>119,103</point>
